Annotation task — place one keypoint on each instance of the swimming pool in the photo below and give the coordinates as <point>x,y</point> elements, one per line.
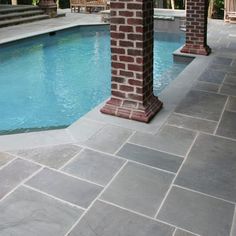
<point>50,81</point>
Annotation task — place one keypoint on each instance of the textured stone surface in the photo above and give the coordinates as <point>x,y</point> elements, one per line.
<point>14,173</point>
<point>212,76</point>
<point>139,188</point>
<point>222,60</point>
<point>228,89</point>
<point>65,187</point>
<point>169,139</point>
<point>180,232</point>
<point>27,213</point>
<point>205,86</point>
<point>52,156</point>
<point>227,126</point>
<point>151,157</point>
<point>94,166</point>
<point>230,79</point>
<point>192,123</point>
<point>210,167</point>
<point>106,220</point>
<point>231,105</point>
<point>197,213</point>
<point>201,104</point>
<point>106,141</point>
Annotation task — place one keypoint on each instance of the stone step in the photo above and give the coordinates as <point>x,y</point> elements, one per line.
<point>20,14</point>
<point>16,21</point>
<point>13,9</point>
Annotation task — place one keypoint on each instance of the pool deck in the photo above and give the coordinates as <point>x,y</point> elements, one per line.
<point>106,176</point>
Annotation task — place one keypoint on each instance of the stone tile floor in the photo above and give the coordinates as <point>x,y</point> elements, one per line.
<point>101,179</point>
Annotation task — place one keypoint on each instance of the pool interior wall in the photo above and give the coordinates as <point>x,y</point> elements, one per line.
<point>51,80</point>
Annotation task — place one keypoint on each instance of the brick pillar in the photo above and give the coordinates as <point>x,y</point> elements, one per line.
<point>132,61</point>
<point>196,28</point>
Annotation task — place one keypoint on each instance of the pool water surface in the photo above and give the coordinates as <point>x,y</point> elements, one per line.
<point>51,81</point>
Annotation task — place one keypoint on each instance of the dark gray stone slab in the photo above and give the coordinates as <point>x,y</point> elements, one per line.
<point>94,166</point>
<point>209,87</point>
<point>151,157</point>
<point>139,188</point>
<point>5,158</point>
<point>65,187</point>
<point>180,232</point>
<point>227,126</point>
<point>222,60</point>
<point>192,123</point>
<point>212,76</point>
<point>52,156</point>
<point>14,173</point>
<point>170,139</point>
<point>228,89</point>
<point>108,139</point>
<point>231,105</point>
<point>197,213</point>
<point>29,213</point>
<point>230,79</point>
<point>233,230</point>
<point>106,220</point>
<point>211,167</point>
<point>201,104</point>
<point>223,68</point>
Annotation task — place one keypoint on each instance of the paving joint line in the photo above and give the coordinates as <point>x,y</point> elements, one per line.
<point>172,183</point>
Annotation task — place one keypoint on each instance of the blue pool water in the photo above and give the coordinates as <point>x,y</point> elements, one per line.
<point>51,81</point>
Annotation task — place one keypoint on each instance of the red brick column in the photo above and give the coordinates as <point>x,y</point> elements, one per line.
<point>132,61</point>
<point>196,28</point>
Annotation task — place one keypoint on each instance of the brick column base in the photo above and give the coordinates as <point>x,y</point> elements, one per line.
<point>192,49</point>
<point>130,110</point>
<point>132,61</point>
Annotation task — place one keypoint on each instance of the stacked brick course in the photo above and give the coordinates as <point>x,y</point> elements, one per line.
<point>132,61</point>
<point>196,28</point>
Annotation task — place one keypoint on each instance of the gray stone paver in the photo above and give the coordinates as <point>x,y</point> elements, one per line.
<point>27,212</point>
<point>94,166</point>
<point>151,157</point>
<point>139,188</point>
<point>170,139</point>
<point>106,220</point>
<point>227,126</point>
<point>52,156</point>
<point>203,105</point>
<point>14,173</point>
<point>192,123</point>
<point>198,213</point>
<point>65,187</point>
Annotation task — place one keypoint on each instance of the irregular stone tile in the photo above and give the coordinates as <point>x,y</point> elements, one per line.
<point>230,79</point>
<point>151,157</point>
<point>192,123</point>
<point>108,139</point>
<point>208,87</point>
<point>203,105</point>
<point>4,158</point>
<point>227,126</point>
<point>106,220</point>
<point>139,188</point>
<point>180,232</point>
<point>231,105</point>
<point>212,76</point>
<point>222,60</point>
<point>14,173</point>
<point>211,167</point>
<point>228,89</point>
<point>94,166</point>
<point>169,139</point>
<point>197,213</point>
<point>27,213</point>
<point>52,156</point>
<point>65,187</point>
